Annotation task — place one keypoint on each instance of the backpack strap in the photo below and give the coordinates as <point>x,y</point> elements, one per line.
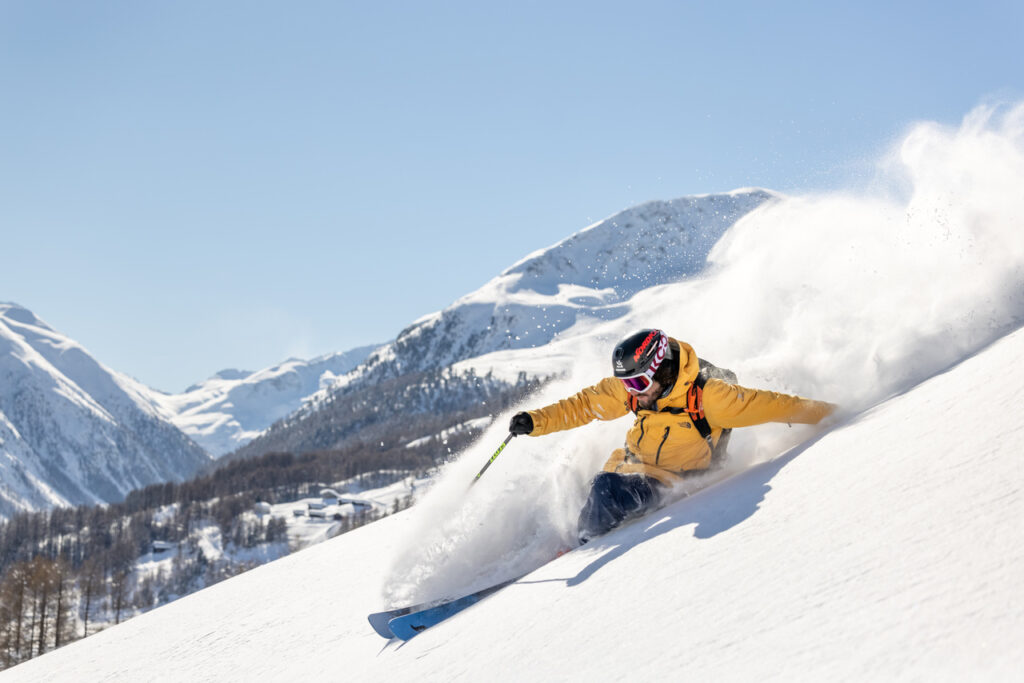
<point>695,410</point>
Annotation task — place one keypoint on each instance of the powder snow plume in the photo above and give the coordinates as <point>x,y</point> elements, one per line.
<point>856,297</point>
<point>849,297</point>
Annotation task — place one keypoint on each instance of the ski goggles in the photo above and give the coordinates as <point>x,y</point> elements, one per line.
<point>638,384</point>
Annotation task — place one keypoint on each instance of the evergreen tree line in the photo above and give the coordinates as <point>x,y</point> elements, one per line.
<point>113,537</point>
<point>46,603</point>
<point>36,601</point>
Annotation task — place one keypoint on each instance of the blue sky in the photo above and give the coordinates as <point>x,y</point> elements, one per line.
<point>191,186</point>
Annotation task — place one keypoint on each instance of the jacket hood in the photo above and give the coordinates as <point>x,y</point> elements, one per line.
<point>689,367</point>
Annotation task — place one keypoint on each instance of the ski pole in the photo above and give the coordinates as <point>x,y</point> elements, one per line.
<point>493,458</point>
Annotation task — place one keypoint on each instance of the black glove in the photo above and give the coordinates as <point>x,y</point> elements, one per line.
<point>521,423</point>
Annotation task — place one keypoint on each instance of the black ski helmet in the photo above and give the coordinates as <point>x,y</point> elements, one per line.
<point>640,354</point>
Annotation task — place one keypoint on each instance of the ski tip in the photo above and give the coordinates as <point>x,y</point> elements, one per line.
<point>379,621</point>
<point>380,625</point>
<point>407,631</point>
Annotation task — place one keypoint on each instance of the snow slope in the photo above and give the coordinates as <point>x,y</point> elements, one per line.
<point>875,550</point>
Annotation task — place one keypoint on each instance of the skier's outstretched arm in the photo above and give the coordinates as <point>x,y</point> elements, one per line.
<point>730,405</point>
<point>606,400</point>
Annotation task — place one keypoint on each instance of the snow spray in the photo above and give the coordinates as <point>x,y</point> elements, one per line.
<point>849,297</point>
<point>853,298</point>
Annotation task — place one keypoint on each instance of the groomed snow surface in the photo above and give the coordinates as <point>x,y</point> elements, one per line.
<point>887,547</point>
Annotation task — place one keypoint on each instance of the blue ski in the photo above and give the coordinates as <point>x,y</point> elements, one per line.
<point>407,625</point>
<point>405,622</point>
<point>381,621</point>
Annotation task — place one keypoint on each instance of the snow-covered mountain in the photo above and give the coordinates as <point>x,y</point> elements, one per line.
<point>587,276</point>
<point>233,407</point>
<point>554,293</point>
<point>73,431</point>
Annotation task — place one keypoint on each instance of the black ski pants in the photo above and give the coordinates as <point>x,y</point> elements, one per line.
<point>615,498</point>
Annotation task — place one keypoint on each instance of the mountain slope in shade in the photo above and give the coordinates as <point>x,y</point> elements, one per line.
<point>72,431</point>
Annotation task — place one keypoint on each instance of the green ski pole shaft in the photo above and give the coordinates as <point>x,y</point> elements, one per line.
<point>493,458</point>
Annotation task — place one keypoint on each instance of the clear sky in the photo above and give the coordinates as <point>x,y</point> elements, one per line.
<point>195,185</point>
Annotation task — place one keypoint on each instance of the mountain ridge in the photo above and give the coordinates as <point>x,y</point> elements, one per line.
<point>73,431</point>
<point>228,410</point>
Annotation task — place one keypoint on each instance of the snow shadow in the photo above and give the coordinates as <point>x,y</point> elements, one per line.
<point>711,511</point>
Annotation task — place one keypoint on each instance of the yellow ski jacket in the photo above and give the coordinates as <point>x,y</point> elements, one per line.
<point>663,442</point>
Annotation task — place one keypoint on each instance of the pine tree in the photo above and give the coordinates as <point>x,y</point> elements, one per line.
<point>119,592</point>
<point>64,625</point>
<point>40,588</point>
<point>90,586</point>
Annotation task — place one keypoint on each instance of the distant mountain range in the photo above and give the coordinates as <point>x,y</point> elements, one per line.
<point>74,431</point>
<point>231,408</point>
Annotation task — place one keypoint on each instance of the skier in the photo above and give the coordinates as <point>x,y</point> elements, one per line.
<point>684,409</point>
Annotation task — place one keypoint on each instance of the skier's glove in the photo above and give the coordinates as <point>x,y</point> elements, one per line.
<point>521,423</point>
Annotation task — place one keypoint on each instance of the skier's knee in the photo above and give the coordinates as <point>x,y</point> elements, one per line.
<point>600,513</point>
<point>603,484</point>
<point>613,498</point>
